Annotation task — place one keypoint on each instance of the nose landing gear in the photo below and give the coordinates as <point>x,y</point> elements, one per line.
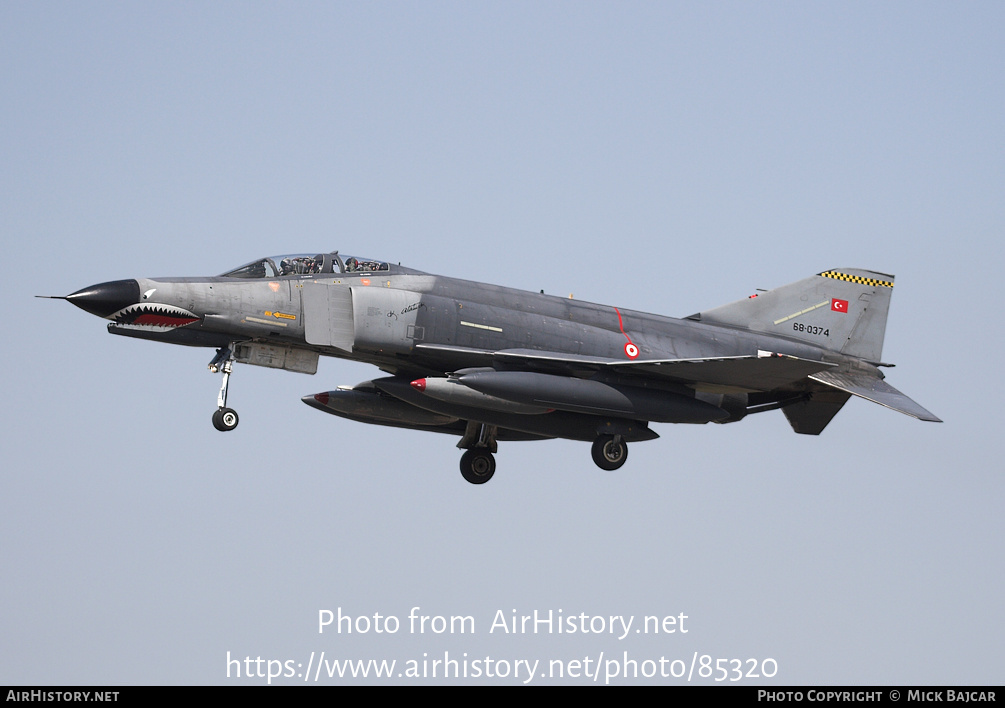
<point>224,418</point>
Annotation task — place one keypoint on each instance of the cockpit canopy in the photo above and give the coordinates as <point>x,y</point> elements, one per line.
<point>299,264</point>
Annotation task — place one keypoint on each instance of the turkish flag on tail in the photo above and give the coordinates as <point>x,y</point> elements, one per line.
<point>839,305</point>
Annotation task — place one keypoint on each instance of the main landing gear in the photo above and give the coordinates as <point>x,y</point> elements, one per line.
<point>609,451</point>
<point>224,418</point>
<point>479,442</point>
<point>478,466</point>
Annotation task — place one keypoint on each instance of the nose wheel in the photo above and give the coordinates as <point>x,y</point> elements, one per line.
<point>224,418</point>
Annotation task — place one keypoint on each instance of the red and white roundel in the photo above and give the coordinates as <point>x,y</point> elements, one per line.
<point>631,350</point>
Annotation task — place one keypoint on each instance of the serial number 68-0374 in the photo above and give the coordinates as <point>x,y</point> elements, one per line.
<point>811,329</point>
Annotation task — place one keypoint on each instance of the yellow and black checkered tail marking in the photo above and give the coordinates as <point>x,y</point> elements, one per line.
<point>856,279</point>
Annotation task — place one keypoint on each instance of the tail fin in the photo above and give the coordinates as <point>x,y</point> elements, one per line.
<point>843,310</point>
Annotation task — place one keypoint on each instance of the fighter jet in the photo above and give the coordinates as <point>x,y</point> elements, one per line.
<point>490,364</point>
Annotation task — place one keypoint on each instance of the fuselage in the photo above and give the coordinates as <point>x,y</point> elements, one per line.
<point>390,315</point>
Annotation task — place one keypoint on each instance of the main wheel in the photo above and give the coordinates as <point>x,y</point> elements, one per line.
<point>225,419</point>
<point>608,453</point>
<point>478,466</point>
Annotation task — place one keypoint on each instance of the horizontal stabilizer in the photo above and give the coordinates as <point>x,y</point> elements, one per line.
<point>876,390</point>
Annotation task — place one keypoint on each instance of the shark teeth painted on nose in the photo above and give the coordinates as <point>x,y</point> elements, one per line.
<point>153,316</point>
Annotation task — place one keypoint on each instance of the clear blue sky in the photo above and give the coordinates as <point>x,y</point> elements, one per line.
<point>665,157</point>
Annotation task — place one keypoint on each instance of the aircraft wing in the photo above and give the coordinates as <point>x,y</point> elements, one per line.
<point>749,373</point>
<point>763,372</point>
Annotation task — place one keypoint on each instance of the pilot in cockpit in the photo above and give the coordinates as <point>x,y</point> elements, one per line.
<point>297,266</point>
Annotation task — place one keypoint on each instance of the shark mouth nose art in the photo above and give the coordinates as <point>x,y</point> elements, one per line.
<point>153,315</point>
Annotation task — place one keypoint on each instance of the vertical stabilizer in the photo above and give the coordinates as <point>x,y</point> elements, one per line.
<point>843,309</point>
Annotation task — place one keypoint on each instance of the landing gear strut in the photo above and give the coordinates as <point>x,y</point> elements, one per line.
<point>609,451</point>
<point>224,418</point>
<point>479,442</point>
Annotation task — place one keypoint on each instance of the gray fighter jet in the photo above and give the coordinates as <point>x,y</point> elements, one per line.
<point>488,363</point>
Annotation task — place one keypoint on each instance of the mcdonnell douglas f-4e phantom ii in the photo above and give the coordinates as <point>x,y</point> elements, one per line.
<point>488,363</point>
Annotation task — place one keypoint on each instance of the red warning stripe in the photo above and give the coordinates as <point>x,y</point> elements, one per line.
<point>631,351</point>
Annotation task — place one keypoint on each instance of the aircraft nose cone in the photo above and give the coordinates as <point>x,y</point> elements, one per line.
<point>105,299</point>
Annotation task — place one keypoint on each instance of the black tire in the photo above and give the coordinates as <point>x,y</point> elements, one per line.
<point>608,454</point>
<point>478,466</point>
<point>225,419</point>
